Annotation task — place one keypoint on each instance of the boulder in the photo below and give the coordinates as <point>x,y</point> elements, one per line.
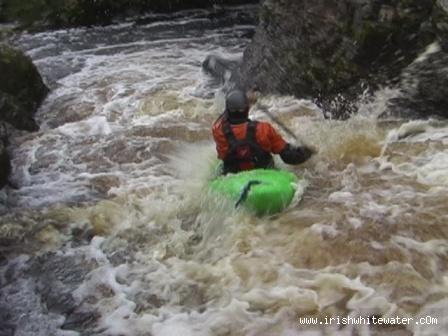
<point>423,86</point>
<point>21,89</point>
<point>222,70</point>
<point>322,49</point>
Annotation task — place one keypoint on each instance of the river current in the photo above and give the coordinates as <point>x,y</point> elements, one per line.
<point>112,231</point>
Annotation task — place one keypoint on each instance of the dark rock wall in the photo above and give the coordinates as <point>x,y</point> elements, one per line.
<point>321,49</point>
<point>424,87</point>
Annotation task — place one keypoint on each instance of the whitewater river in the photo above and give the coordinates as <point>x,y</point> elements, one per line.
<point>112,231</point>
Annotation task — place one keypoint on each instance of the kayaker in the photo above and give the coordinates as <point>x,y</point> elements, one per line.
<point>243,144</point>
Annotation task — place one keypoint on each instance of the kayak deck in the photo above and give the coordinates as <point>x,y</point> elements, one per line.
<point>262,191</point>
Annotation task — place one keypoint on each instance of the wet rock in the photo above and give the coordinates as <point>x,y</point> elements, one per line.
<point>423,83</point>
<point>223,70</point>
<point>146,302</point>
<point>67,111</point>
<point>440,22</point>
<point>21,92</point>
<point>122,256</point>
<point>59,302</point>
<point>21,89</point>
<point>424,87</point>
<point>104,183</point>
<point>81,236</point>
<point>323,49</point>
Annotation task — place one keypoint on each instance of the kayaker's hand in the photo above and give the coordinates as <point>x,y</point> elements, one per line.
<point>305,151</point>
<point>296,154</point>
<point>310,150</point>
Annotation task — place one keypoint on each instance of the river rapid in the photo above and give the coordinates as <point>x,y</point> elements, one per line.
<point>112,230</point>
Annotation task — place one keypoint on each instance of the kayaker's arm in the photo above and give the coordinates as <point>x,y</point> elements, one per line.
<point>296,155</point>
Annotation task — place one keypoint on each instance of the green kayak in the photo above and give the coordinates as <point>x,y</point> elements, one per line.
<point>262,191</point>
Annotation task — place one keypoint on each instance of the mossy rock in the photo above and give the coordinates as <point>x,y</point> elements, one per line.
<point>327,49</point>
<point>21,88</point>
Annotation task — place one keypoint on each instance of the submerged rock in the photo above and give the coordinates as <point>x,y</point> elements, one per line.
<point>323,49</point>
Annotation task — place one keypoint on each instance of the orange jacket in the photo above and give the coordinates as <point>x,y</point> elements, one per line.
<point>266,136</point>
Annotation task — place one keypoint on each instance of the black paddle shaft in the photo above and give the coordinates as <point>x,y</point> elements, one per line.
<point>266,111</point>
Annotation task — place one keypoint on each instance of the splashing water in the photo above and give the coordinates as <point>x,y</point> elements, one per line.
<point>118,235</point>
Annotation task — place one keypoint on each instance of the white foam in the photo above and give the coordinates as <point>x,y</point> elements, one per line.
<point>431,49</point>
<point>327,229</point>
<point>94,126</point>
<point>342,197</point>
<point>356,223</point>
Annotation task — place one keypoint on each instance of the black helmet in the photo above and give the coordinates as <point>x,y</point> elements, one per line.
<point>236,102</point>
